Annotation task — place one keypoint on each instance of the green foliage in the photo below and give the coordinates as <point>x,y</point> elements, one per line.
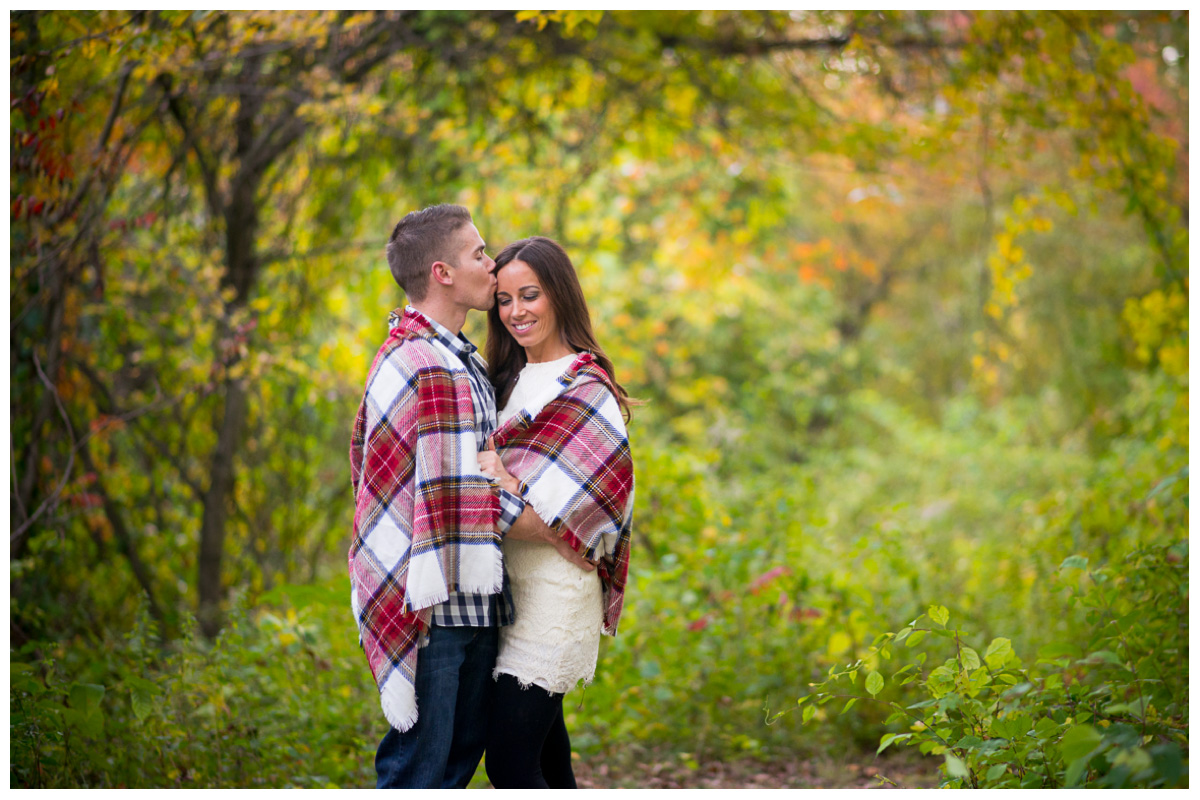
<point>1112,713</point>
<point>282,698</point>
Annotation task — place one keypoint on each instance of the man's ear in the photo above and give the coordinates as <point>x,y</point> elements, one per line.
<point>443,273</point>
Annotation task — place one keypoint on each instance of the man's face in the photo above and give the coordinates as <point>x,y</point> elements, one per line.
<point>474,283</point>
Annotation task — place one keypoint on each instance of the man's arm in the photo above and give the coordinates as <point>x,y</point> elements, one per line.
<point>528,526</point>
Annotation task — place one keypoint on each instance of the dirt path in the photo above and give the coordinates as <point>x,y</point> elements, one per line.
<point>669,771</point>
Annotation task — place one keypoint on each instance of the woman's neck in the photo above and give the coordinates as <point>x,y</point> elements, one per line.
<point>547,351</point>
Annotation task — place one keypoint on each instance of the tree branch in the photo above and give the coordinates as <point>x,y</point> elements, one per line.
<point>16,536</point>
<point>124,540</point>
<point>190,142</point>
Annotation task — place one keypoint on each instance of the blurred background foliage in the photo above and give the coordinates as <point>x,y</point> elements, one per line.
<point>906,294</point>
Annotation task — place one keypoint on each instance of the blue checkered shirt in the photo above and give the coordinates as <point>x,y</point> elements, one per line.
<point>477,610</point>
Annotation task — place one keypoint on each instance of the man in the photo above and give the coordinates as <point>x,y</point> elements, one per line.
<point>425,563</point>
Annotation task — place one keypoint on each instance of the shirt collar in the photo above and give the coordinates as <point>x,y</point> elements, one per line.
<point>459,345</point>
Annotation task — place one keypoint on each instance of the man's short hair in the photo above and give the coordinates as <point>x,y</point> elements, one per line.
<point>421,238</point>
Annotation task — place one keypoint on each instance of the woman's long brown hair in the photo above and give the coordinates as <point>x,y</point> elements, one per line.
<point>556,273</point>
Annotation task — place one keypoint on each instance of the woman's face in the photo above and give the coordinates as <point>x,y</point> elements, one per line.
<point>525,308</point>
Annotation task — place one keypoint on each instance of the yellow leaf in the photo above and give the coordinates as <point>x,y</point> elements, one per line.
<point>839,643</point>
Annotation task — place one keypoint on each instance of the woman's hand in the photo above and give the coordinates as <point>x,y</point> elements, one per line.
<point>491,466</point>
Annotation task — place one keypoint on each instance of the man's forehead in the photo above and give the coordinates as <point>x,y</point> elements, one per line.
<point>470,238</point>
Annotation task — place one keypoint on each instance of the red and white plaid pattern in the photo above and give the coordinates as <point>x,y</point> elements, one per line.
<point>425,516</point>
<point>570,450</point>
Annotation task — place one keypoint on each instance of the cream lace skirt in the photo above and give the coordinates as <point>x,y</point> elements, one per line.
<point>559,613</point>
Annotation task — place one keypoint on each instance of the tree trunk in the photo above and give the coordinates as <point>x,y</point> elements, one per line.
<point>241,229</point>
<point>216,508</point>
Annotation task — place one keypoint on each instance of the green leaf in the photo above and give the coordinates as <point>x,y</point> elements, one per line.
<point>903,634</point>
<point>1021,725</point>
<point>939,615</point>
<point>1075,771</point>
<point>1167,482</point>
<point>914,638</point>
<point>996,771</point>
<point>1002,727</point>
<point>874,682</point>
<point>1059,650</point>
<point>890,739</point>
<point>1168,760</point>
<point>998,652</point>
<point>808,714</point>
<point>1019,690</point>
<point>86,697</point>
<point>142,702</point>
<point>149,687</point>
<point>970,658</point>
<point>1074,562</point>
<point>955,767</point>
<point>1136,706</point>
<point>849,704</point>
<point>1103,657</point>
<point>1046,727</point>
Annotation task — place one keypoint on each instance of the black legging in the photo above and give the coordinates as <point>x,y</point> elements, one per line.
<point>527,745</point>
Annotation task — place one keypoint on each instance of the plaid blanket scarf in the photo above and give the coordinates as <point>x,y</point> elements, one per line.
<point>425,516</point>
<point>570,450</point>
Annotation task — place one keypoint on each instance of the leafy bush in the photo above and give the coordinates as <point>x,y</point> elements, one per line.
<point>1112,714</point>
<point>282,698</point>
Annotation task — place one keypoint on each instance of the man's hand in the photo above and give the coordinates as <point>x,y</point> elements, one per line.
<point>566,552</point>
<point>529,527</point>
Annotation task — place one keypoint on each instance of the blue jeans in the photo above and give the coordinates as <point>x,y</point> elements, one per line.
<point>454,683</point>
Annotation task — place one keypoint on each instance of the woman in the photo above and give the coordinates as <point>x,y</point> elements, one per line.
<point>562,445</point>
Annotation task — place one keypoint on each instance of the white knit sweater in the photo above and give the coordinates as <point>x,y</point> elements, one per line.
<point>559,608</point>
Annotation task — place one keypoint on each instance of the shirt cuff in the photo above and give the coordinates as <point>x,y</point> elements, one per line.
<point>511,506</point>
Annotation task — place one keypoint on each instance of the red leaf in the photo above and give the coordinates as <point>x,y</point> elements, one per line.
<point>87,500</point>
<point>37,208</point>
<point>763,580</point>
<point>805,613</point>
